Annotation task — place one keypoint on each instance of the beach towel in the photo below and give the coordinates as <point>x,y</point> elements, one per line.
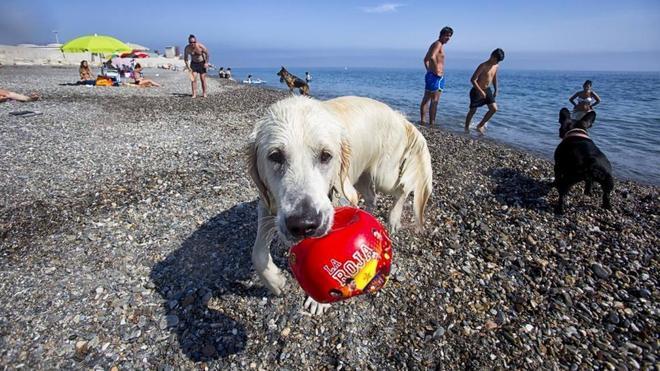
<point>103,81</point>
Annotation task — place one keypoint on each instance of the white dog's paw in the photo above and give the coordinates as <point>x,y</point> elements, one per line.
<point>394,227</point>
<point>275,281</point>
<point>314,307</point>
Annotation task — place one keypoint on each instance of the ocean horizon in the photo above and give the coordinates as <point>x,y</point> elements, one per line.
<point>627,126</point>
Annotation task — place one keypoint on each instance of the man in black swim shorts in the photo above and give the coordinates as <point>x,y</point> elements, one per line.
<point>477,100</point>
<point>199,62</point>
<point>481,94</point>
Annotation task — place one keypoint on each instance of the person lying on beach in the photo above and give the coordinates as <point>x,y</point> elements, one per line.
<point>587,99</point>
<point>141,81</point>
<point>481,94</point>
<point>85,74</point>
<point>6,95</point>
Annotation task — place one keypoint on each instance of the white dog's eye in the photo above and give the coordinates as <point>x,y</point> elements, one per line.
<point>277,157</point>
<point>325,157</point>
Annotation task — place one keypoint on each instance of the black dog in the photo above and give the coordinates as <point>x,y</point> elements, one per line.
<point>577,158</point>
<point>293,81</point>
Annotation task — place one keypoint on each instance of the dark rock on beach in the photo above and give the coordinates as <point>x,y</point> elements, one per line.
<point>127,218</point>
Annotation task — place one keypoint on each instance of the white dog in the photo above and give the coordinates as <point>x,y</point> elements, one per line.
<point>304,150</point>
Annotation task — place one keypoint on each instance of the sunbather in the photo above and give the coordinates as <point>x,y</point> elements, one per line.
<point>141,81</point>
<point>6,95</point>
<point>85,74</point>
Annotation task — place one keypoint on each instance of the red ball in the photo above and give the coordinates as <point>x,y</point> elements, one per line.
<point>355,257</point>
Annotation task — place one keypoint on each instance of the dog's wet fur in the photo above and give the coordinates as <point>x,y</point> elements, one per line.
<point>578,159</point>
<point>293,81</point>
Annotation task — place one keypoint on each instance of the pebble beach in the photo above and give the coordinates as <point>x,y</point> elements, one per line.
<point>127,219</point>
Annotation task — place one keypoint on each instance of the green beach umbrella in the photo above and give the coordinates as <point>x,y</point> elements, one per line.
<point>95,44</point>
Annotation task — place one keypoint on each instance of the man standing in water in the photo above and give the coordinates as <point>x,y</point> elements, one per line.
<point>199,62</point>
<point>481,94</point>
<point>434,61</point>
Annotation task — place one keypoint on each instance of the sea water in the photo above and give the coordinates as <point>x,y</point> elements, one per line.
<point>627,126</point>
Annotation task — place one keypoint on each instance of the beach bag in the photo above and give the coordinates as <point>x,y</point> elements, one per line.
<point>103,81</point>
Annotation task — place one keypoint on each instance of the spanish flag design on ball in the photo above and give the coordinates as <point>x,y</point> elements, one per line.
<point>354,258</point>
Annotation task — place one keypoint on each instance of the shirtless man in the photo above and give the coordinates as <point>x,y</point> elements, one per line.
<point>481,94</point>
<point>199,62</point>
<point>434,62</point>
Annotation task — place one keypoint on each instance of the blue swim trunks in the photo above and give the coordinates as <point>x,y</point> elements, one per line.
<point>434,82</point>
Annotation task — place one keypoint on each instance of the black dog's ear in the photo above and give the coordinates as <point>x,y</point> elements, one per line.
<point>564,115</point>
<point>587,120</point>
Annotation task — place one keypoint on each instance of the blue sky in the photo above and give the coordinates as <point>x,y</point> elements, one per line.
<point>558,34</point>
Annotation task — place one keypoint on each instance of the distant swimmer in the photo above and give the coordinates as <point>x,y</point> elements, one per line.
<point>434,62</point>
<point>481,94</point>
<point>587,99</point>
<point>199,63</point>
<point>250,80</point>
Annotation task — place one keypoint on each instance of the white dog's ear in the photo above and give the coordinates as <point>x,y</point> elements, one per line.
<point>253,169</point>
<point>344,181</point>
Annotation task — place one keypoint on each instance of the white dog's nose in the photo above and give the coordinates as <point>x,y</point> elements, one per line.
<point>305,221</point>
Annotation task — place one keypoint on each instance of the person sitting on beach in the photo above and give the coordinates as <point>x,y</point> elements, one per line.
<point>141,81</point>
<point>308,77</point>
<point>249,79</point>
<point>481,94</point>
<point>228,73</point>
<point>587,99</point>
<point>85,74</point>
<point>6,95</point>
<point>221,73</point>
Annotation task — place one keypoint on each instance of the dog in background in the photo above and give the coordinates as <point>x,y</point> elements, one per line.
<point>577,158</point>
<point>293,81</point>
<point>305,151</point>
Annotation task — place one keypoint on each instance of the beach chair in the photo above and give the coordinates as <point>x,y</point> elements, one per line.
<point>111,72</point>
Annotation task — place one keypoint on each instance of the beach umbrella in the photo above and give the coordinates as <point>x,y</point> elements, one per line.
<point>134,54</point>
<point>137,47</point>
<point>95,44</point>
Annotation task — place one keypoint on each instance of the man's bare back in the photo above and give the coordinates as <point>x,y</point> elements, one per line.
<point>486,72</point>
<point>435,58</point>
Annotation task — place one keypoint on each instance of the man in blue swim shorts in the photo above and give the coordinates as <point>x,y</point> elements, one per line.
<point>434,62</point>
<point>434,82</point>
